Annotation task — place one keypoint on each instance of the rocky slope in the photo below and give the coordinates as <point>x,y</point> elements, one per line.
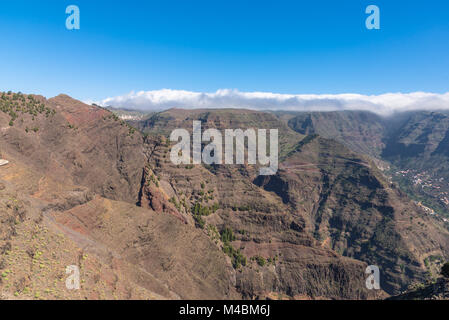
<point>435,290</point>
<point>67,167</point>
<point>358,213</point>
<point>323,197</point>
<point>412,147</point>
<point>362,132</point>
<point>85,188</point>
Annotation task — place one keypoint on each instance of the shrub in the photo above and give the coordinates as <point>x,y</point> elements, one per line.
<point>445,270</point>
<point>177,204</point>
<point>238,259</point>
<point>215,207</point>
<point>199,221</point>
<point>260,261</point>
<point>200,210</point>
<point>227,235</point>
<point>196,209</point>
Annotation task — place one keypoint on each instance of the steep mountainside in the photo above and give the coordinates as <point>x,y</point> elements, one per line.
<point>419,148</point>
<point>323,196</point>
<point>356,212</point>
<point>264,241</point>
<point>67,163</point>
<point>84,188</point>
<point>415,145</point>
<point>163,123</point>
<point>434,290</point>
<point>362,132</point>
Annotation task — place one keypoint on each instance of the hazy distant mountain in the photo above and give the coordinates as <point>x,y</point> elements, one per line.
<point>360,131</point>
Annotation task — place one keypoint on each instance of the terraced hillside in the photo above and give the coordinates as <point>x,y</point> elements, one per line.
<point>85,188</point>
<point>411,147</point>
<point>323,196</point>
<point>68,197</point>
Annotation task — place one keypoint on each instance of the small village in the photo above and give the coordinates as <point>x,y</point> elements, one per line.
<point>436,187</point>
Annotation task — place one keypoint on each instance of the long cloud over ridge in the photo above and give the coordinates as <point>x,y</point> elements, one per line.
<point>384,104</point>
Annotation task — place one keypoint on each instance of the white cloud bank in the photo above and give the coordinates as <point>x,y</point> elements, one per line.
<point>383,104</point>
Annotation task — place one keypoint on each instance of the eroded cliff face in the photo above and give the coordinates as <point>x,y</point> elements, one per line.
<point>294,263</point>
<point>357,213</point>
<point>82,187</point>
<point>324,197</point>
<point>68,197</point>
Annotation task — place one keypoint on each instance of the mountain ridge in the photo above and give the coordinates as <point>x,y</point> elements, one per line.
<point>167,231</point>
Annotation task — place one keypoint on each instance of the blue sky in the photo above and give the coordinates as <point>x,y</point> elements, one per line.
<point>272,46</point>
